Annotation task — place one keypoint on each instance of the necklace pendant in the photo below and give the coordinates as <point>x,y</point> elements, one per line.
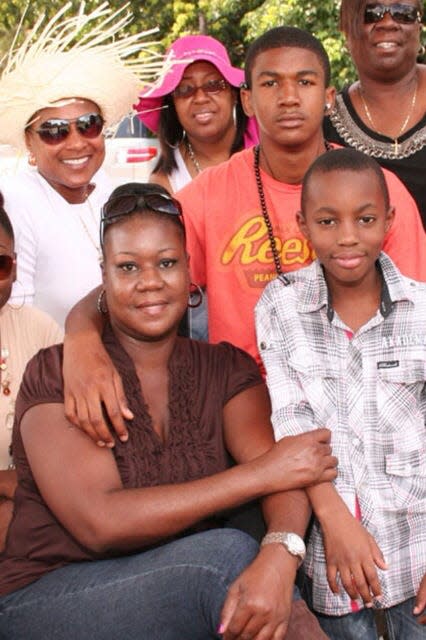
<point>6,389</point>
<point>193,157</point>
<point>3,365</point>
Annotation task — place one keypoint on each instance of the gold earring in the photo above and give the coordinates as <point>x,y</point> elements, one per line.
<point>101,304</point>
<point>32,159</point>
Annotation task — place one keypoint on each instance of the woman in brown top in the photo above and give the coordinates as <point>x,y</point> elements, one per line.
<point>111,542</point>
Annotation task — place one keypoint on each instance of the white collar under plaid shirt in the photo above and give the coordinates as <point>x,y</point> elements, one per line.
<point>370,390</point>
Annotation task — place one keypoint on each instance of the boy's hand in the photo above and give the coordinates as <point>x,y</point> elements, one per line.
<point>354,554</point>
<point>420,607</point>
<point>93,388</point>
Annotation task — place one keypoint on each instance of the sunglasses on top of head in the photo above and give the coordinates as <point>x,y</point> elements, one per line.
<point>209,87</point>
<point>56,130</point>
<point>124,205</point>
<point>399,12</point>
<point>6,265</point>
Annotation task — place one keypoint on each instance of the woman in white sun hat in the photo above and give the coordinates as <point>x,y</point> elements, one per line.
<point>55,102</point>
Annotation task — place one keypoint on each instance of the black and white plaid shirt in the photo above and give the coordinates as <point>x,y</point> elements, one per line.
<point>370,390</point>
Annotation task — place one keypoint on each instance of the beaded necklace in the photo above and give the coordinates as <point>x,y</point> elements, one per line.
<point>4,375</point>
<point>265,214</point>
<point>5,382</point>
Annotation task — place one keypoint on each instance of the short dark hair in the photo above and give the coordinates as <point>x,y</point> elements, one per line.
<point>344,160</point>
<point>286,37</point>
<point>352,16</point>
<point>139,189</point>
<point>5,222</point>
<point>171,133</point>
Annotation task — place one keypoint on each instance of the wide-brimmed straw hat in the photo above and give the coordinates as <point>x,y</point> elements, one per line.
<point>82,56</point>
<point>182,53</point>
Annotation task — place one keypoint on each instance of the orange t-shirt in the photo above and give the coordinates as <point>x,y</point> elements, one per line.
<point>229,247</point>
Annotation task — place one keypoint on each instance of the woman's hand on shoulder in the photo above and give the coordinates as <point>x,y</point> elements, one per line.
<point>93,389</point>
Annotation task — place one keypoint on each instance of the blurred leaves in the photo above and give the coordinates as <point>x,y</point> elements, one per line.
<point>235,22</point>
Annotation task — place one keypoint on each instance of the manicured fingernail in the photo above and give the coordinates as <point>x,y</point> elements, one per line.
<point>369,605</point>
<point>124,438</point>
<point>221,628</point>
<point>100,443</point>
<point>110,445</point>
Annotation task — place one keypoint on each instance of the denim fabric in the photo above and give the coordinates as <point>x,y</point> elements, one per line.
<point>173,592</point>
<point>198,321</point>
<point>353,626</point>
<point>400,622</point>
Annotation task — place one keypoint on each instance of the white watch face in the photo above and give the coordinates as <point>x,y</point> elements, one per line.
<point>295,545</point>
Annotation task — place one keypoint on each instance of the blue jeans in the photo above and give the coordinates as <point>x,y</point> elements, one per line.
<point>198,321</point>
<point>400,622</point>
<point>173,592</point>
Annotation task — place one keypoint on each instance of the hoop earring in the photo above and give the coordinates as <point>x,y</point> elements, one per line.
<point>101,303</point>
<point>16,307</point>
<point>32,159</point>
<point>177,144</point>
<point>196,292</point>
<point>422,51</point>
<point>234,114</point>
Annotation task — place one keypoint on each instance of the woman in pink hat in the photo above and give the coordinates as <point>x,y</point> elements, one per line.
<point>196,111</point>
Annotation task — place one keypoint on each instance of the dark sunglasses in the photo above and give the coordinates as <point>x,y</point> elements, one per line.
<point>56,130</point>
<point>126,204</point>
<point>6,265</point>
<point>211,86</point>
<point>401,13</point>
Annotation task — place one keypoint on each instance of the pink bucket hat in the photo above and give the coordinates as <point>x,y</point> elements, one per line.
<point>183,52</point>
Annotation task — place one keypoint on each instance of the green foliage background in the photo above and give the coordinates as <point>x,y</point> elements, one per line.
<point>235,22</point>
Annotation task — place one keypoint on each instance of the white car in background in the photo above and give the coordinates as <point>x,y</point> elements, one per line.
<point>131,154</point>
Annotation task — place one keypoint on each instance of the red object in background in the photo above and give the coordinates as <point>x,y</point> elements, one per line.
<point>142,154</point>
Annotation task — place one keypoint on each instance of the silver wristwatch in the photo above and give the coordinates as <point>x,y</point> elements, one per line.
<point>291,541</point>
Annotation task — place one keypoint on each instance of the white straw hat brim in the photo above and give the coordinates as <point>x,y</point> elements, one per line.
<point>45,70</point>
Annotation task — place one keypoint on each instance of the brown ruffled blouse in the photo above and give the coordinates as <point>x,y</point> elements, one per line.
<point>203,378</point>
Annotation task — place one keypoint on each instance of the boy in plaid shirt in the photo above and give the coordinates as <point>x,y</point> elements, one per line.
<point>343,342</point>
